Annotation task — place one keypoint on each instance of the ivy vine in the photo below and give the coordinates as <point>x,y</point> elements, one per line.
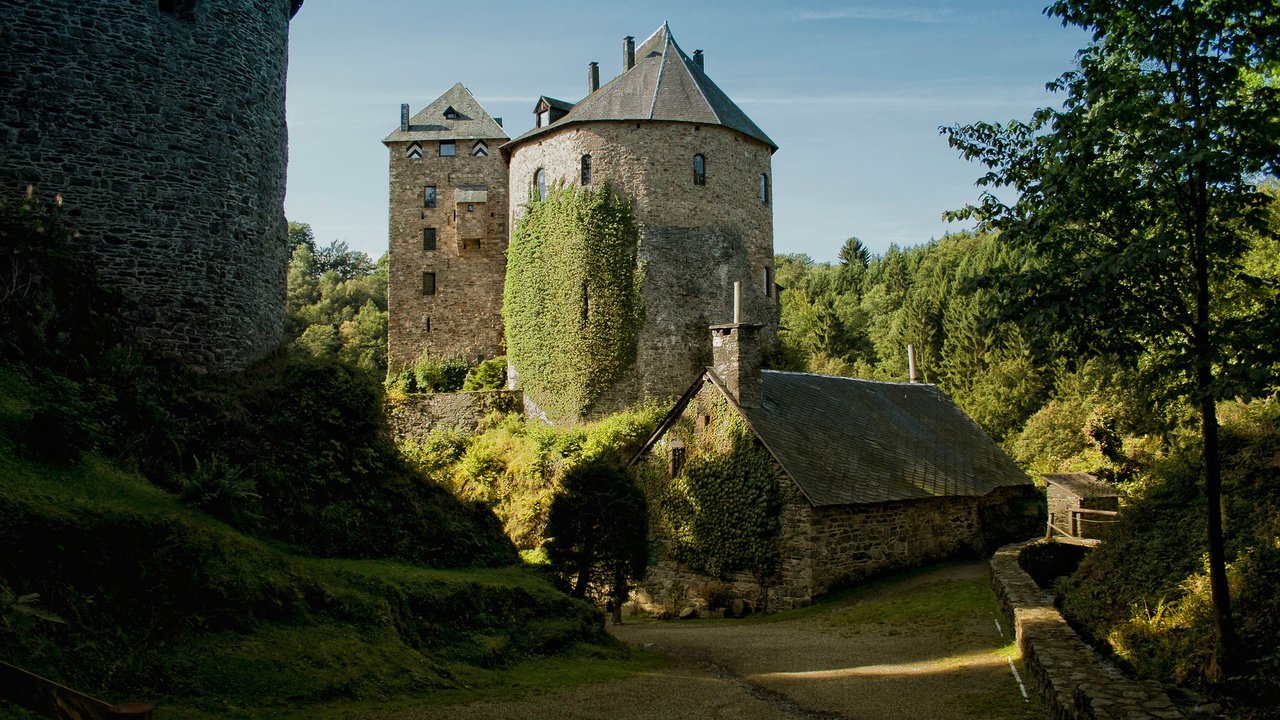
<point>722,511</point>
<point>571,304</point>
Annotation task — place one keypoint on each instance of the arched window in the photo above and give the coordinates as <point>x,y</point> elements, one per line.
<point>586,169</point>
<point>540,183</point>
<point>699,170</point>
<point>764,188</point>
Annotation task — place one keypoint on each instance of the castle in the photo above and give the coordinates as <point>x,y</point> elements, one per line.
<point>161,124</point>
<point>696,169</point>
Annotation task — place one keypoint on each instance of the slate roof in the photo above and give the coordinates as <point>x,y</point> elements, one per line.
<point>1081,484</point>
<point>664,84</point>
<point>473,121</point>
<point>846,441</point>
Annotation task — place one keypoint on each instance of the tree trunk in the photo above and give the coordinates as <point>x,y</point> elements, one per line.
<point>1225,655</point>
<point>584,571</point>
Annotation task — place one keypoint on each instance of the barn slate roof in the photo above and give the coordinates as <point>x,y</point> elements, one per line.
<point>1081,484</point>
<point>664,84</point>
<point>846,441</point>
<point>473,122</point>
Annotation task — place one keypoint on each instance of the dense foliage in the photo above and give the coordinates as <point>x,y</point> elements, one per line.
<point>721,511</point>
<point>571,303</point>
<point>598,531</point>
<point>517,466</point>
<point>336,303</point>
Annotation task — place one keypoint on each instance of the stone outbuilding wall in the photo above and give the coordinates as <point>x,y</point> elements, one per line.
<point>695,240</point>
<point>162,126</point>
<point>414,417</point>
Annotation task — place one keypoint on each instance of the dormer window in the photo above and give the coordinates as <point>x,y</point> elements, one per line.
<point>413,152</point>
<point>699,170</point>
<point>544,118</point>
<point>480,149</point>
<point>448,148</point>
<point>450,113</point>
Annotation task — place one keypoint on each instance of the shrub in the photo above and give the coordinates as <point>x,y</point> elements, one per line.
<point>488,375</point>
<point>429,374</point>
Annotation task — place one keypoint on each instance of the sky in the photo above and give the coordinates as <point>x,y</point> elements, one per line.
<point>853,93</point>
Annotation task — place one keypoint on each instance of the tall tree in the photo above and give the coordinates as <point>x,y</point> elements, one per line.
<point>1134,200</point>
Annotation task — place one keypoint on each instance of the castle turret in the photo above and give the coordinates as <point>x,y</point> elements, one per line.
<point>697,171</point>
<point>448,232</point>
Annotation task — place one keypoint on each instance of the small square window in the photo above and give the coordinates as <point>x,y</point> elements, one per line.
<point>429,196</point>
<point>428,283</point>
<point>471,208</point>
<point>428,238</point>
<point>448,148</point>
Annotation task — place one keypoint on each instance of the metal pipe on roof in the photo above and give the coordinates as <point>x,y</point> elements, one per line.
<point>911,363</point>
<point>628,53</point>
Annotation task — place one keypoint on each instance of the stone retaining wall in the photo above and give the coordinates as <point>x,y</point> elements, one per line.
<point>1060,666</point>
<point>414,417</point>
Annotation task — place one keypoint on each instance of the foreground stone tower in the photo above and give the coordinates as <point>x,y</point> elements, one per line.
<point>448,236</point>
<point>162,125</point>
<point>698,171</point>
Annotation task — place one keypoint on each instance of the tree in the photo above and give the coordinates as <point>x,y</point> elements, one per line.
<point>1134,203</point>
<point>300,234</point>
<point>598,531</point>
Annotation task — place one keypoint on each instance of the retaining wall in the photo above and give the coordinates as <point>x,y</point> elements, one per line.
<point>414,417</point>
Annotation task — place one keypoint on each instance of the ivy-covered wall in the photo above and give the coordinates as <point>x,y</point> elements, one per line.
<point>571,305</point>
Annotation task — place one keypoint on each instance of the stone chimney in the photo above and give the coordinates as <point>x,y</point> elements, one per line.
<point>628,53</point>
<point>404,117</point>
<point>736,356</point>
<point>593,76</point>
<point>697,58</point>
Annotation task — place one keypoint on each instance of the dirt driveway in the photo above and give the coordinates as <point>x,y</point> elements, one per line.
<point>924,647</point>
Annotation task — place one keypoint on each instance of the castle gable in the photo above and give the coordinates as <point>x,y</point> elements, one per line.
<point>455,115</point>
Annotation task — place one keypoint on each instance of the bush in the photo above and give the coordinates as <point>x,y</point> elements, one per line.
<point>429,375</point>
<point>488,375</point>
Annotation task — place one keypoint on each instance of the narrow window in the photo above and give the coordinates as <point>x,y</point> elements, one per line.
<point>586,169</point>
<point>428,283</point>
<point>428,238</point>
<point>766,275</point>
<point>699,170</point>
<point>677,458</point>
<point>429,196</point>
<point>764,188</point>
<point>426,324</point>
<point>448,148</point>
<point>414,151</point>
<point>480,149</point>
<point>540,183</point>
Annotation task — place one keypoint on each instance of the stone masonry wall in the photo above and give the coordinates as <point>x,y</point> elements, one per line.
<point>414,417</point>
<point>165,136</point>
<point>463,319</point>
<point>695,240</point>
<point>1061,668</point>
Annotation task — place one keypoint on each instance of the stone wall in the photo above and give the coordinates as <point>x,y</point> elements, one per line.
<point>695,240</point>
<point>1062,669</point>
<point>414,417</point>
<point>463,318</point>
<point>164,133</point>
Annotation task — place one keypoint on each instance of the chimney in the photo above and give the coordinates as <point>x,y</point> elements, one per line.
<point>736,356</point>
<point>593,76</point>
<point>697,58</point>
<point>628,53</point>
<point>404,117</point>
<point>911,363</point>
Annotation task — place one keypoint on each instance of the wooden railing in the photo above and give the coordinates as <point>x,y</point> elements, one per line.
<point>1077,521</point>
<point>52,700</point>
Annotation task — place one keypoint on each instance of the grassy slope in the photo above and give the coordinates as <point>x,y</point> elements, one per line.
<point>165,604</point>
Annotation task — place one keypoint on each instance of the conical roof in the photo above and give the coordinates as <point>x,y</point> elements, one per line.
<point>472,122</point>
<point>664,84</point>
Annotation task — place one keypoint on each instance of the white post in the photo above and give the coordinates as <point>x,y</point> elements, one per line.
<point>737,302</point>
<point>911,362</point>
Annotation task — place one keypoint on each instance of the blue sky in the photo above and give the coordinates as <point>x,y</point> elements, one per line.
<point>852,92</point>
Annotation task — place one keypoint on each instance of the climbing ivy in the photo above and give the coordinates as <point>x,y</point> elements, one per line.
<point>721,512</point>
<point>571,304</point>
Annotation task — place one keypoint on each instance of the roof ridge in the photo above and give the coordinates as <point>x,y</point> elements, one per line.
<point>701,92</point>
<point>853,379</point>
<point>662,66</point>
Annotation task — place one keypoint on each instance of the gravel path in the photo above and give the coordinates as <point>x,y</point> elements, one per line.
<point>807,667</point>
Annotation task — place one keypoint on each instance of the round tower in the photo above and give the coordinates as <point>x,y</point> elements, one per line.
<point>161,123</point>
<point>698,172</point>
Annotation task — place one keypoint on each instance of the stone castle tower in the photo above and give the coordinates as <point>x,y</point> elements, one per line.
<point>448,232</point>
<point>698,172</point>
<point>162,125</point>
